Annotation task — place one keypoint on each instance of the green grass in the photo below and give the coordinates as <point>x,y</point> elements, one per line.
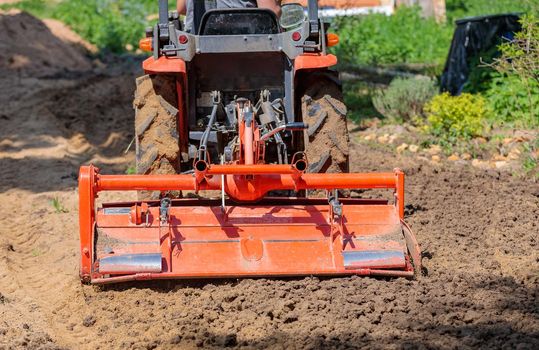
<point>58,206</point>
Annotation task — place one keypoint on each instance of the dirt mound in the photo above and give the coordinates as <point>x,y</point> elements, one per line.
<point>64,33</point>
<point>30,48</point>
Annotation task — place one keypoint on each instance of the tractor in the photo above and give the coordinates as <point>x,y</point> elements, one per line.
<point>242,160</point>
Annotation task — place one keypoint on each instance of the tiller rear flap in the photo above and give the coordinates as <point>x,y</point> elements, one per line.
<point>196,238</point>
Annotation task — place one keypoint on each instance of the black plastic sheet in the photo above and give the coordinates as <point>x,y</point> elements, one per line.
<point>472,37</point>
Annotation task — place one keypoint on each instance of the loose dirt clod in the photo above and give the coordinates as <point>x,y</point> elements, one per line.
<point>89,321</point>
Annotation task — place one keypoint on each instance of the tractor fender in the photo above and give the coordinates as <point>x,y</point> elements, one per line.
<point>304,62</point>
<point>164,65</point>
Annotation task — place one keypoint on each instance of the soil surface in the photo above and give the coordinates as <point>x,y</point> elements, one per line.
<point>478,231</point>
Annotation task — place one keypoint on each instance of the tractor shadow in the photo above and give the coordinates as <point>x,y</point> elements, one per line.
<point>488,312</point>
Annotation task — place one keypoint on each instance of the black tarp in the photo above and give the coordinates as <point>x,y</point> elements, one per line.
<point>472,37</point>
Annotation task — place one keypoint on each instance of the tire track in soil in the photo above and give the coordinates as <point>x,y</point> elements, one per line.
<point>43,298</point>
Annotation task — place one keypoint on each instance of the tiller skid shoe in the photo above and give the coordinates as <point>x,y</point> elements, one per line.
<point>244,234</point>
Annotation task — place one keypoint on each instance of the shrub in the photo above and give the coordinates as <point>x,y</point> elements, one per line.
<point>519,65</point>
<point>404,99</point>
<point>456,117</point>
<point>513,102</point>
<point>405,37</point>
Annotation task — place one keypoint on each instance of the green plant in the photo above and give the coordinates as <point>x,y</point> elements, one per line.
<point>511,101</point>
<point>404,99</point>
<point>36,252</point>
<point>530,162</point>
<point>481,72</point>
<point>453,118</point>
<point>405,37</point>
<point>519,61</point>
<point>131,170</point>
<point>58,206</point>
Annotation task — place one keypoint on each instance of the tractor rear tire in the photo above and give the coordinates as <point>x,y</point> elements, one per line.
<point>323,109</point>
<point>156,128</point>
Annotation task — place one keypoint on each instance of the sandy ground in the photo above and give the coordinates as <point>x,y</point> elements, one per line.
<point>478,231</point>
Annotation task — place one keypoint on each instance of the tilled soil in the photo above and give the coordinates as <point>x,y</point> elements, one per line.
<point>478,231</point>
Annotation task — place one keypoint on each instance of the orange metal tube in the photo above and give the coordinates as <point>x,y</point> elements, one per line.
<point>241,188</point>
<point>399,193</point>
<point>87,194</point>
<point>251,169</point>
<point>347,181</point>
<point>145,182</point>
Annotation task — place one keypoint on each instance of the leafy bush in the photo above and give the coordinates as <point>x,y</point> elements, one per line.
<point>405,37</point>
<point>456,117</point>
<point>404,99</point>
<point>517,95</point>
<point>512,103</point>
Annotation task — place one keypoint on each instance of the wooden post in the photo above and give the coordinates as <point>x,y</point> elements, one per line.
<point>430,8</point>
<point>440,11</point>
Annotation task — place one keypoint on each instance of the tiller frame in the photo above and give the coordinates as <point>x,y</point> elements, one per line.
<point>313,236</point>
